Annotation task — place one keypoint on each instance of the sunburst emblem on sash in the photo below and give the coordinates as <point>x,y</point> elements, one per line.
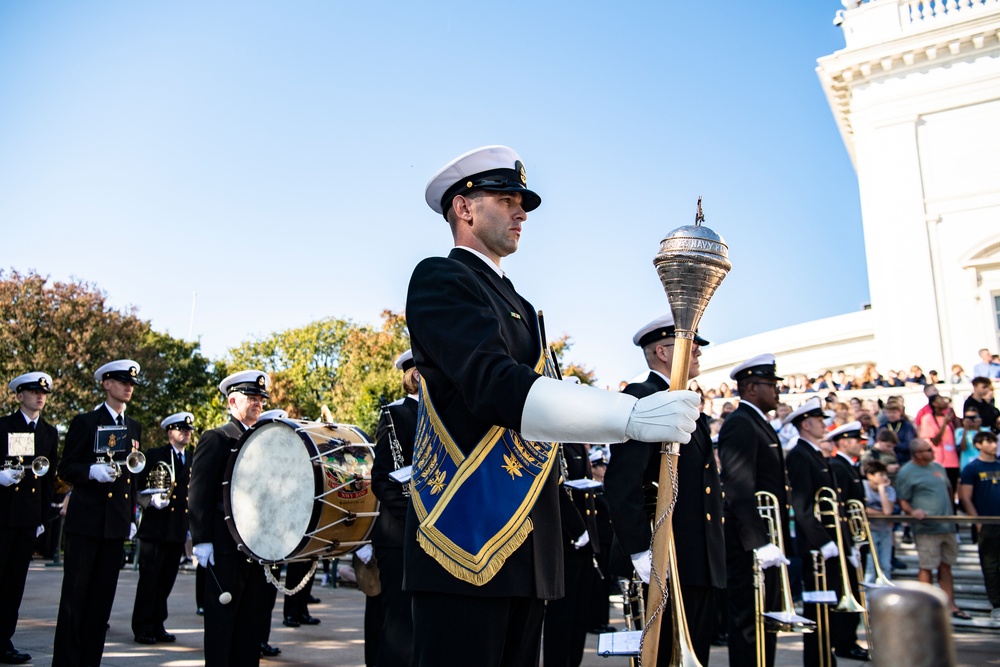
<point>437,482</point>
<point>513,466</point>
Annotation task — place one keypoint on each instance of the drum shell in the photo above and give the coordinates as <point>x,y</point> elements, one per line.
<point>342,512</point>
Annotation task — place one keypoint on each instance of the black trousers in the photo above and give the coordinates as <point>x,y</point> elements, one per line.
<point>742,629</point>
<point>395,639</point>
<point>90,579</point>
<point>989,561</point>
<point>373,627</point>
<point>234,632</point>
<point>297,606</point>
<point>466,631</point>
<point>16,545</point>
<point>158,565</point>
<point>564,633</point>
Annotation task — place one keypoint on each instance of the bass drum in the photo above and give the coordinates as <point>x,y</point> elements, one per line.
<point>298,490</point>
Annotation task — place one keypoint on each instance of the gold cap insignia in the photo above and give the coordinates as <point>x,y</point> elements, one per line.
<point>520,170</point>
<point>43,383</point>
<point>132,371</point>
<point>260,381</point>
<point>187,420</point>
<point>468,184</point>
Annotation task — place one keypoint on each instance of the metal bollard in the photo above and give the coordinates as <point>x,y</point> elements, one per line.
<point>911,626</point>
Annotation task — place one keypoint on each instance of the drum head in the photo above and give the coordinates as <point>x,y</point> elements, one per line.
<point>271,491</point>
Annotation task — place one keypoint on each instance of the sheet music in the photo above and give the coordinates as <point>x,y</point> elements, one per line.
<point>20,444</point>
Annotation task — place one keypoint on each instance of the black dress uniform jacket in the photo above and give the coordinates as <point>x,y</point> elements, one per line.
<point>630,485</point>
<point>848,478</point>
<point>476,342</point>
<point>21,505</point>
<point>808,471</point>
<point>97,524</point>
<point>104,510</point>
<point>752,460</point>
<point>22,508</point>
<point>388,619</point>
<point>169,524</point>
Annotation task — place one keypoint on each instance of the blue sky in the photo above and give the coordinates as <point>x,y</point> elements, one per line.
<point>272,156</point>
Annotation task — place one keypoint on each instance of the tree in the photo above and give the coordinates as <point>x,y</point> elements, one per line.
<point>560,347</point>
<point>68,331</point>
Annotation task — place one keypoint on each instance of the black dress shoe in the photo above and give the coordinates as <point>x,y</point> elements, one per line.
<point>856,653</point>
<point>313,600</point>
<point>269,651</point>
<point>145,639</point>
<point>14,657</point>
<point>166,637</point>
<point>306,619</point>
<point>291,622</point>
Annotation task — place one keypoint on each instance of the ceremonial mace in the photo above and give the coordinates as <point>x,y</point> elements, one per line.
<point>692,262</point>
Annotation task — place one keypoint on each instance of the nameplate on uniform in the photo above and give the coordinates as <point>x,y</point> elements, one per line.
<point>20,444</point>
<point>113,438</point>
<point>819,597</point>
<point>402,475</point>
<point>583,484</point>
<point>619,643</point>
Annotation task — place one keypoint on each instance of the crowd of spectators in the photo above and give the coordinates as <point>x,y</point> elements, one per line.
<point>869,378</point>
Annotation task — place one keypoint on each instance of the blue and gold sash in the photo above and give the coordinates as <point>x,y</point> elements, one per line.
<point>473,510</point>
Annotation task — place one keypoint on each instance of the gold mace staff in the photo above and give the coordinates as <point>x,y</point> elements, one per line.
<point>692,263</point>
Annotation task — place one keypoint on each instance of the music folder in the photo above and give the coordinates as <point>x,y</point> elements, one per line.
<point>20,444</point>
<point>114,438</point>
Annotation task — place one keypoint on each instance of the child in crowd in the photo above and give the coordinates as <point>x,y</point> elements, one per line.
<point>880,498</point>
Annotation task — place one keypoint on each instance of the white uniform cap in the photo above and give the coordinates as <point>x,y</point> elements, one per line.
<point>405,361</point>
<point>811,408</point>
<point>273,414</point>
<point>763,365</point>
<point>661,327</point>
<point>178,420</point>
<point>597,456</point>
<point>124,370</point>
<point>496,168</point>
<point>251,382</point>
<point>32,381</point>
<point>848,430</point>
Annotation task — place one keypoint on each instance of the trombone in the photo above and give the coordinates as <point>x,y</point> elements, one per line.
<point>827,507</point>
<point>785,619</point>
<point>822,611</point>
<point>857,518</point>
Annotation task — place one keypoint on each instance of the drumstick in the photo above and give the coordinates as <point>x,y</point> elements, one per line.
<point>224,597</point>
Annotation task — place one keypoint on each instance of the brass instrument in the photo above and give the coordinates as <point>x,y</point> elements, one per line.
<point>692,262</point>
<point>822,611</point>
<point>827,507</point>
<point>39,466</point>
<point>161,481</point>
<point>135,462</point>
<point>759,605</point>
<point>861,531</point>
<point>784,620</point>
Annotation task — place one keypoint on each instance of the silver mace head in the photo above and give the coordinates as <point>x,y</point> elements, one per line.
<point>692,262</point>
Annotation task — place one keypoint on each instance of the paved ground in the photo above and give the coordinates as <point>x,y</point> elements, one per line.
<point>339,640</point>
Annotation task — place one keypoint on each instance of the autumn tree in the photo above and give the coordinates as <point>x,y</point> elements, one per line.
<point>68,330</point>
<point>560,347</point>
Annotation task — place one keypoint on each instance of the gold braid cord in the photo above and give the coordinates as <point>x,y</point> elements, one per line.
<point>657,525</point>
<point>289,591</point>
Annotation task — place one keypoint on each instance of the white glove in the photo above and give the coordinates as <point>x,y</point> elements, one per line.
<point>204,553</point>
<point>8,477</point>
<point>666,416</point>
<point>101,472</point>
<point>39,530</point>
<point>829,550</point>
<point>769,555</point>
<point>365,553</point>
<point>583,541</point>
<point>855,557</point>
<point>557,411</point>
<point>643,563</point>
<point>132,530</point>
<point>158,501</point>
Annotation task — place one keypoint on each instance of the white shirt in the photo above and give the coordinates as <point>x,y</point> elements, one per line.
<point>115,415</point>
<point>489,262</point>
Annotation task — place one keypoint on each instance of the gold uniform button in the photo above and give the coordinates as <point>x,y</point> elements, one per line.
<point>171,509</point>
<point>32,490</point>
<point>723,521</point>
<point>708,517</point>
<point>126,496</point>
<point>706,466</point>
<point>110,494</point>
<point>185,511</point>
<point>708,489</point>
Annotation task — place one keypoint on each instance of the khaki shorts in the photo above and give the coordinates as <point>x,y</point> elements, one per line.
<point>936,548</point>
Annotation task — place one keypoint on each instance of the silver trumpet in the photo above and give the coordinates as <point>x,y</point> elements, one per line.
<point>39,466</point>
<point>135,463</point>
